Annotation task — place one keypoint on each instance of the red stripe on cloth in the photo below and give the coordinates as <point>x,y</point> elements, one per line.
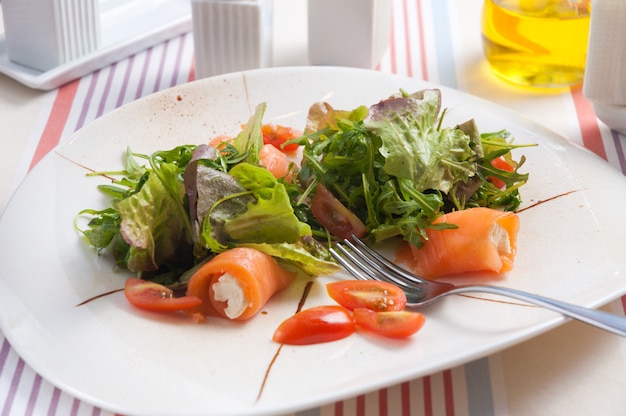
<point>405,399</point>
<point>448,392</point>
<point>422,40</point>
<point>392,43</point>
<point>407,40</point>
<point>339,409</point>
<point>624,303</point>
<point>592,138</point>
<point>360,405</point>
<point>56,121</point>
<point>428,396</point>
<point>382,402</point>
<point>192,71</point>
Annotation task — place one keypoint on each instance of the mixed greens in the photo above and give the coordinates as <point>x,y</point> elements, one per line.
<point>396,168</point>
<point>392,165</point>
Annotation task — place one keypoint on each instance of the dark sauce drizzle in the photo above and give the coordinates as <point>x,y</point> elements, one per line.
<point>542,201</point>
<point>305,295</point>
<point>101,295</point>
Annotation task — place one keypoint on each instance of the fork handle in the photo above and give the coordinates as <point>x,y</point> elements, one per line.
<point>607,321</point>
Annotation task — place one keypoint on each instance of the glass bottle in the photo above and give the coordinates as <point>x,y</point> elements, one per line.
<point>537,43</point>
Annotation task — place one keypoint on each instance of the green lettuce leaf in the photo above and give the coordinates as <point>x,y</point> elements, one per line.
<point>415,149</point>
<point>270,221</point>
<point>254,178</point>
<point>151,223</point>
<point>300,256</point>
<point>250,140</point>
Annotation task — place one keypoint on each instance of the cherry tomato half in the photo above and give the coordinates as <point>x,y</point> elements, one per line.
<point>155,297</point>
<point>315,325</point>
<point>277,135</point>
<point>369,294</point>
<point>394,324</point>
<point>334,216</point>
<point>499,163</point>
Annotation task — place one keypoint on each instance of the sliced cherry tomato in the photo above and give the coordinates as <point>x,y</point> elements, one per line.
<point>334,216</point>
<point>277,135</point>
<point>315,325</point>
<point>155,297</point>
<point>501,164</point>
<point>370,294</point>
<point>395,324</point>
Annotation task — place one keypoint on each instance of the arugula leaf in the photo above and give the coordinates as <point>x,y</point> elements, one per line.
<point>102,227</point>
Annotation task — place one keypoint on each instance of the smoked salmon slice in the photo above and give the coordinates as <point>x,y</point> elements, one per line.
<point>485,240</point>
<point>237,283</point>
<point>276,162</point>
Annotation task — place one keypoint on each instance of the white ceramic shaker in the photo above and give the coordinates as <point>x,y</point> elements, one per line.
<point>354,33</point>
<point>605,73</point>
<point>44,34</point>
<point>231,35</point>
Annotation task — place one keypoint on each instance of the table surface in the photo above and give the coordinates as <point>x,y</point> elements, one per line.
<point>573,369</point>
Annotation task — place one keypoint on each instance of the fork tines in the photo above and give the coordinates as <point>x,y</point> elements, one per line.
<point>364,263</point>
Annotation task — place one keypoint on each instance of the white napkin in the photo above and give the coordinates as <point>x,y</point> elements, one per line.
<point>605,72</point>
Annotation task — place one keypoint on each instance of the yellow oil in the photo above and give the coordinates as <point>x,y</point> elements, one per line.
<point>539,43</point>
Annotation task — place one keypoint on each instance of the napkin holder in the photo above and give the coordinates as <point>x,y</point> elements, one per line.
<point>50,42</point>
<point>45,34</point>
<point>605,78</point>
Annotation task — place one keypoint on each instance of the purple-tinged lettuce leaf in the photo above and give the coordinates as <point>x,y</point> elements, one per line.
<point>151,224</point>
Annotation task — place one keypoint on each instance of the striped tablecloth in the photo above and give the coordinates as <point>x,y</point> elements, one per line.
<point>572,370</point>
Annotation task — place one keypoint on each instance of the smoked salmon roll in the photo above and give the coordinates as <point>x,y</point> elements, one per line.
<point>237,283</point>
<point>485,240</point>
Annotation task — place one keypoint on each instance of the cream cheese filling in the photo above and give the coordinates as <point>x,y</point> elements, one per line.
<point>500,238</point>
<point>227,289</point>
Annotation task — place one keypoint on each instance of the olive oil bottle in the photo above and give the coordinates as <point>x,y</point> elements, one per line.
<point>538,43</point>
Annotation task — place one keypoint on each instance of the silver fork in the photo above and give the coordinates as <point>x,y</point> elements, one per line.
<point>364,263</point>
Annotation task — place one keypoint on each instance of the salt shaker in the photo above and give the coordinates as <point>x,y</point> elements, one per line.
<point>605,78</point>
<point>231,35</point>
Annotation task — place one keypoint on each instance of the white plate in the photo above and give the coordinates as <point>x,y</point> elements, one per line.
<point>121,359</point>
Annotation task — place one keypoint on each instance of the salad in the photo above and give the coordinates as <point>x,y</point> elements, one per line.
<point>384,171</point>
